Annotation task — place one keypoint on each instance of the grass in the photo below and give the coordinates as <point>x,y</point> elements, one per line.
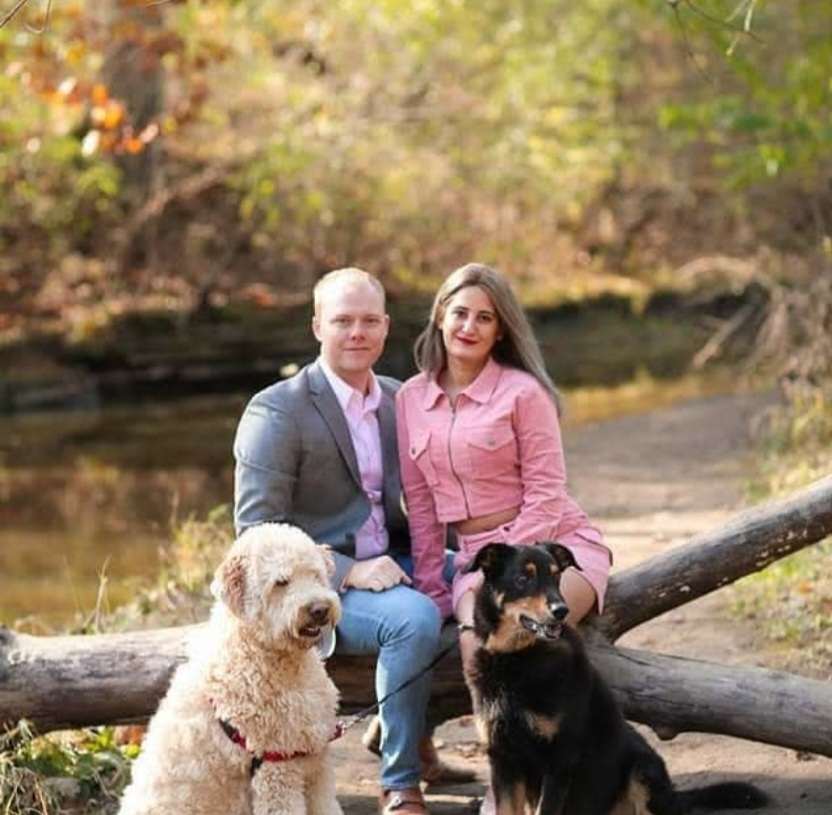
<point>181,594</point>
<point>78,772</point>
<point>791,600</point>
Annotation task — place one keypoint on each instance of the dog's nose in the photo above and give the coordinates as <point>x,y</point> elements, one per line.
<point>319,612</point>
<point>559,611</point>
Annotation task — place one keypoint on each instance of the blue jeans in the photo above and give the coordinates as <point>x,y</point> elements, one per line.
<point>402,626</point>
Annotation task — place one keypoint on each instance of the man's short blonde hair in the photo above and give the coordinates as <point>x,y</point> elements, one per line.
<point>349,274</point>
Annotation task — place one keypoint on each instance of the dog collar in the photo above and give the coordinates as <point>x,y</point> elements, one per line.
<point>269,755</point>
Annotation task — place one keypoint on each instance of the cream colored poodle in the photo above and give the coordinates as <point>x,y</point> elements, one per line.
<point>245,726</point>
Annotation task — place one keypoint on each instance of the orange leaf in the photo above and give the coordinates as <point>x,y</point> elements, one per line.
<point>107,142</point>
<point>113,115</point>
<point>99,95</point>
<point>133,145</point>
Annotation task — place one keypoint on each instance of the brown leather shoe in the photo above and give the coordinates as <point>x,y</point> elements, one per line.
<point>402,802</point>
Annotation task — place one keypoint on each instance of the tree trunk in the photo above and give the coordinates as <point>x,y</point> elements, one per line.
<point>675,695</point>
<point>66,682</point>
<point>133,74</point>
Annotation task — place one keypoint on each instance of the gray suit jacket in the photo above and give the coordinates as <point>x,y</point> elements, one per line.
<point>295,463</point>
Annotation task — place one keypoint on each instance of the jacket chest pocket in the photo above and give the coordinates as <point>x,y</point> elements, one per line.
<point>419,453</point>
<point>491,449</point>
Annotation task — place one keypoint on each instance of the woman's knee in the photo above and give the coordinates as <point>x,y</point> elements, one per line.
<point>578,594</point>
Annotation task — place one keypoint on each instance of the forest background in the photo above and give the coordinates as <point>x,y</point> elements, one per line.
<point>192,155</point>
<point>176,175</point>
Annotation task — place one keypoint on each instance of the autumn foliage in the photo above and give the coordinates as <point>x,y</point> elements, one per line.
<point>193,153</point>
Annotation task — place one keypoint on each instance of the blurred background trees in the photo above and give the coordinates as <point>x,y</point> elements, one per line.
<point>191,153</point>
<point>192,156</point>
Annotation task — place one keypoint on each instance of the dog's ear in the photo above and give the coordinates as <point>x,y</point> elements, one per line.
<point>329,560</point>
<point>563,557</point>
<point>231,585</point>
<point>491,559</point>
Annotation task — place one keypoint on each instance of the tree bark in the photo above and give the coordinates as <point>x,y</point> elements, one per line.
<point>74,681</point>
<point>675,695</point>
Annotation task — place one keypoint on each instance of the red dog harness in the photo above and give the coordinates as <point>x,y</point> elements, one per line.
<point>270,755</point>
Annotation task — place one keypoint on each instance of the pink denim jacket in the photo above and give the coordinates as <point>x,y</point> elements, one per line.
<point>500,448</point>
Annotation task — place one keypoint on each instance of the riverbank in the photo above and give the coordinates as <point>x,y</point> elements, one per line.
<point>93,497</point>
<point>604,340</point>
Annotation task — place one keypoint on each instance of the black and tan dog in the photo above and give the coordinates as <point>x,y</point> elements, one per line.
<point>556,739</point>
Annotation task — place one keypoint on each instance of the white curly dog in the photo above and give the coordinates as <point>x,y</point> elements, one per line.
<point>245,726</point>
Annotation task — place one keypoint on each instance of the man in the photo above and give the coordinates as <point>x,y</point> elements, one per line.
<point>319,451</point>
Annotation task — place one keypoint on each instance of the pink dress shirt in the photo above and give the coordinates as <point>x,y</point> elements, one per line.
<point>371,539</point>
<point>499,448</point>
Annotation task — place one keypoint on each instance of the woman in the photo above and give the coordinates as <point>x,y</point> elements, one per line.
<point>481,453</point>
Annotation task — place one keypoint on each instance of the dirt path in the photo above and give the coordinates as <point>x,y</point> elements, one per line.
<point>651,481</point>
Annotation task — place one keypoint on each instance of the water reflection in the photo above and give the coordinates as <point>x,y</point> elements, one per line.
<point>86,492</point>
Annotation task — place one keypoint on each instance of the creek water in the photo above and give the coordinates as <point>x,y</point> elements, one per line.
<point>86,494</point>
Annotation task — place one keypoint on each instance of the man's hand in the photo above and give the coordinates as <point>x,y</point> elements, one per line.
<point>376,574</point>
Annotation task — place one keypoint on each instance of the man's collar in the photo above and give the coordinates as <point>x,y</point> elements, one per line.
<point>344,391</point>
<point>480,390</point>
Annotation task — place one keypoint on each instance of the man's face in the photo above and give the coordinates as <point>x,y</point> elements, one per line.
<point>351,327</point>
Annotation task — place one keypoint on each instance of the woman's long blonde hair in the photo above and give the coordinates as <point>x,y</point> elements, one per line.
<point>517,346</point>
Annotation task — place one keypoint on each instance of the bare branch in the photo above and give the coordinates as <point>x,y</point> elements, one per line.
<point>688,47</point>
<point>742,30</point>
<point>34,29</point>
<point>9,16</point>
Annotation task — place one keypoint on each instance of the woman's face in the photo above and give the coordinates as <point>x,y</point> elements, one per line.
<point>470,326</point>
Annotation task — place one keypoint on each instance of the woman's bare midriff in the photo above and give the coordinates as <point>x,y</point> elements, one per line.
<point>471,526</point>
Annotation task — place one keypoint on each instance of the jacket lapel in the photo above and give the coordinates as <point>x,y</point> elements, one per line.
<point>327,405</point>
<point>389,446</point>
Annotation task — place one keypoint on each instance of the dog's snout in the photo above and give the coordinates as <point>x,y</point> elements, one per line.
<point>319,612</point>
<point>559,611</point>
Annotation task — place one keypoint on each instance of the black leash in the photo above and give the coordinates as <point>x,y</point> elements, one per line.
<point>363,714</point>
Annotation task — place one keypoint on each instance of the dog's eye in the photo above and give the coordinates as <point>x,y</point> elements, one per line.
<point>280,583</point>
<point>521,581</point>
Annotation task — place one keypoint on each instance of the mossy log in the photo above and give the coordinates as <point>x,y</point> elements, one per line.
<point>73,681</point>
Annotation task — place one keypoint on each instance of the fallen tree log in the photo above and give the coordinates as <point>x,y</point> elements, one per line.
<point>73,681</point>
<point>675,695</point>
<point>748,543</point>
